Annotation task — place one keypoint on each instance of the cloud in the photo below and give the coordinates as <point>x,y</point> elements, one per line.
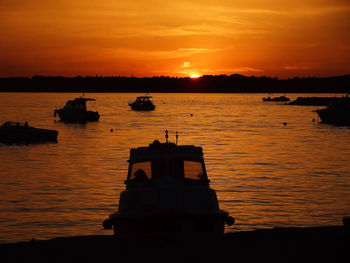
<point>193,49</point>
<point>186,64</point>
<point>296,67</point>
<point>232,70</point>
<point>246,69</point>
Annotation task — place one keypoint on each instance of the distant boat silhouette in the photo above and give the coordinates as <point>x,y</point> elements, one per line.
<point>167,191</point>
<point>142,103</point>
<point>281,98</point>
<point>75,111</point>
<point>22,133</point>
<point>337,113</point>
<point>314,101</point>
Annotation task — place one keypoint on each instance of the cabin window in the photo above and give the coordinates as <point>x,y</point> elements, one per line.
<point>193,170</point>
<point>144,166</point>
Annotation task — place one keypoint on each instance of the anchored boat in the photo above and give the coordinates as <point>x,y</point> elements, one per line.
<point>337,113</point>
<point>22,133</point>
<point>281,98</point>
<point>167,191</point>
<point>75,111</point>
<point>142,103</point>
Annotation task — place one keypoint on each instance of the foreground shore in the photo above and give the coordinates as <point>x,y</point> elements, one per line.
<point>332,242</point>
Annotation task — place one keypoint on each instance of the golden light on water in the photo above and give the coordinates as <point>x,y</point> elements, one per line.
<point>266,174</point>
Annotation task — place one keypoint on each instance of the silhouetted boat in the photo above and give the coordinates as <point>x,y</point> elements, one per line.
<point>281,98</point>
<point>142,103</point>
<point>337,113</point>
<point>75,111</point>
<point>314,101</point>
<point>22,133</point>
<point>167,191</point>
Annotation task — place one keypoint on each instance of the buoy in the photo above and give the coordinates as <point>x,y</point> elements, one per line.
<point>284,123</point>
<point>191,114</point>
<point>111,130</point>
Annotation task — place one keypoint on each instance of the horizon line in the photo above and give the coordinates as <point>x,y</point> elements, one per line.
<point>172,77</point>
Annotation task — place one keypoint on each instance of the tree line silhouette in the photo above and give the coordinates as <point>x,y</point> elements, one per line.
<point>206,84</point>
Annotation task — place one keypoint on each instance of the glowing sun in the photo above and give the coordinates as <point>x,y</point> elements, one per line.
<point>194,76</point>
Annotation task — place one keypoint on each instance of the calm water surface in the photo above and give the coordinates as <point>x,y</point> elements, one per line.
<point>266,174</point>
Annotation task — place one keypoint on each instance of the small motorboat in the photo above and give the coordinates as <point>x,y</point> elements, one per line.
<point>314,101</point>
<point>22,133</point>
<point>337,113</point>
<point>143,103</point>
<point>167,192</point>
<point>281,98</point>
<point>75,111</point>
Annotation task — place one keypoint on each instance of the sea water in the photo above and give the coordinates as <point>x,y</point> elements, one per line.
<point>272,165</point>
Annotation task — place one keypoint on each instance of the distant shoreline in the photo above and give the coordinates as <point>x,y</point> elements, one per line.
<point>205,84</point>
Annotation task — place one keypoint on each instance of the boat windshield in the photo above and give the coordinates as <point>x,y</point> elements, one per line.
<point>143,99</point>
<point>192,170</point>
<point>138,167</point>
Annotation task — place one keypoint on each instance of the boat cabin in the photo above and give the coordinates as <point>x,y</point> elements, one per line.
<point>12,124</point>
<point>77,104</point>
<point>144,99</point>
<point>166,161</point>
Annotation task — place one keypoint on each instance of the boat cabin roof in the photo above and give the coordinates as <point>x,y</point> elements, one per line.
<point>9,124</point>
<point>167,160</point>
<point>157,150</point>
<point>77,103</point>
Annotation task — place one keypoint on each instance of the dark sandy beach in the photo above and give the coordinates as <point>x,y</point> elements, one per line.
<point>283,244</point>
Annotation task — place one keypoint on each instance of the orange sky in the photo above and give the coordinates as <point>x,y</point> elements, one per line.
<point>174,38</point>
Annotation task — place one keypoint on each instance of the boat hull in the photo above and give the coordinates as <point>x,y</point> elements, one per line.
<point>211,223</point>
<point>138,107</point>
<point>70,116</point>
<point>335,117</point>
<point>315,101</point>
<point>23,135</point>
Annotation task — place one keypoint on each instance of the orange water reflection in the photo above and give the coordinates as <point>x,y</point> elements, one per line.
<point>266,174</point>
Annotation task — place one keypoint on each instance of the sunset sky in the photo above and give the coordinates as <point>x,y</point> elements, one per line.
<point>174,38</point>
